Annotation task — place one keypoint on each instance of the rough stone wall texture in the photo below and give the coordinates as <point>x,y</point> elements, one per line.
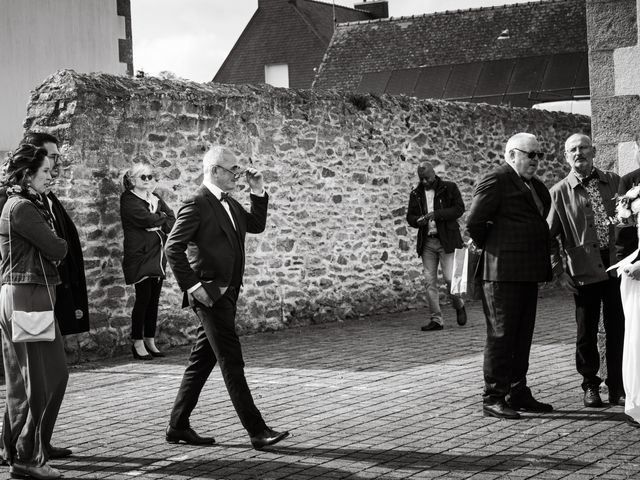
<point>614,62</point>
<point>339,168</point>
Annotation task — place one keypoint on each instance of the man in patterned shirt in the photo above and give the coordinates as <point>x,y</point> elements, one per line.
<point>582,206</point>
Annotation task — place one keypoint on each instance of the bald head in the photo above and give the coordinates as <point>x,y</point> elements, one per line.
<point>579,153</point>
<point>427,175</point>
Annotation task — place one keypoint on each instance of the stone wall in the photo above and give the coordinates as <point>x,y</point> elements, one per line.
<point>339,168</point>
<point>614,61</point>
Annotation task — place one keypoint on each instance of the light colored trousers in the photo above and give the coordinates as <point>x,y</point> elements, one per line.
<point>36,376</point>
<point>433,255</point>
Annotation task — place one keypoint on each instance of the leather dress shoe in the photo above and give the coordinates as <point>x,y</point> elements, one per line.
<point>187,435</point>
<point>499,410</point>
<point>632,422</point>
<point>43,472</point>
<point>592,397</point>
<point>617,397</point>
<point>529,404</point>
<point>431,326</point>
<point>267,437</point>
<point>58,452</point>
<point>461,316</point>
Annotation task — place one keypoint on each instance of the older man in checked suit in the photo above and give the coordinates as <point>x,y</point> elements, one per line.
<point>507,221</point>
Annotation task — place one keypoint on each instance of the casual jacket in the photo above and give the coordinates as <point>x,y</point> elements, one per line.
<point>31,238</point>
<point>572,219</point>
<point>145,234</point>
<point>504,220</point>
<point>447,208</point>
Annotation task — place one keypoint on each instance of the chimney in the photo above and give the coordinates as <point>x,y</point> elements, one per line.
<point>377,9</point>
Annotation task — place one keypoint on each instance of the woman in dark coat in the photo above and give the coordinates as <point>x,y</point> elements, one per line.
<point>146,222</point>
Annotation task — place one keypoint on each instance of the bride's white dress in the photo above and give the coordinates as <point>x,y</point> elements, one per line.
<point>630,293</point>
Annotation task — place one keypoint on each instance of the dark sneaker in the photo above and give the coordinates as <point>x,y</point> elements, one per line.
<point>431,326</point>
<point>461,316</point>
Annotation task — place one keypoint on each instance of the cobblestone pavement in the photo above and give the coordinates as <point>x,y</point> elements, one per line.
<point>370,398</point>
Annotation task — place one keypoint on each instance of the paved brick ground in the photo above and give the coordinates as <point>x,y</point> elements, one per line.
<point>372,398</point>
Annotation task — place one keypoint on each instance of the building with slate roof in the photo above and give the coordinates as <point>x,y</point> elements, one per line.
<point>285,40</point>
<point>520,54</point>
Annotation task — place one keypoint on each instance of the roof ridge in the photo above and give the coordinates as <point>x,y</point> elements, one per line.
<point>449,12</point>
<point>336,6</point>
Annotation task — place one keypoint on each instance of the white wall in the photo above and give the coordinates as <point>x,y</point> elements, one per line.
<point>39,37</point>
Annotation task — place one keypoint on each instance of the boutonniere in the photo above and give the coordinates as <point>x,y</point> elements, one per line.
<point>628,205</point>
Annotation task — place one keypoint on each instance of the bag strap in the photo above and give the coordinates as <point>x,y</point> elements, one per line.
<point>11,268</point>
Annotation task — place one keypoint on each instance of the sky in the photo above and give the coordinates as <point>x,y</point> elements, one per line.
<point>191,38</point>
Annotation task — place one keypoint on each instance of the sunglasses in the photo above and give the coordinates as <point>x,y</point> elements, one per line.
<point>144,178</point>
<point>532,155</point>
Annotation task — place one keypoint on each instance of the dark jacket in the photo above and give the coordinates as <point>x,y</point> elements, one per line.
<point>627,235</point>
<point>505,221</point>
<point>145,234</point>
<point>447,207</point>
<point>72,304</point>
<point>31,239</point>
<point>572,219</point>
<point>202,247</point>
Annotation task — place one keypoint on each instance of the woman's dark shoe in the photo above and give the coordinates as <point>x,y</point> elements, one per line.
<point>137,356</point>
<point>157,354</point>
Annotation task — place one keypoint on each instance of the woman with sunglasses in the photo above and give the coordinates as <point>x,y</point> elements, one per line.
<point>146,222</point>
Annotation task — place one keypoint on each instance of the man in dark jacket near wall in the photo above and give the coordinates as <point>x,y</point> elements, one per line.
<point>434,208</point>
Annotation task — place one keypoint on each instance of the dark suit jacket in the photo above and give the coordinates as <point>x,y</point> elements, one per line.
<point>627,236</point>
<point>202,245</point>
<point>447,207</point>
<point>505,221</point>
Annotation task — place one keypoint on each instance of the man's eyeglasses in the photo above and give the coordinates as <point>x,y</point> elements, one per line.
<point>144,178</point>
<point>532,155</point>
<point>236,172</point>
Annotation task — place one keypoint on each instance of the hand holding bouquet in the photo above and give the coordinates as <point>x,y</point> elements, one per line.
<point>628,206</point>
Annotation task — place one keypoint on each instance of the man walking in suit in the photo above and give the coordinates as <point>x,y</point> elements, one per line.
<point>434,208</point>
<point>581,205</point>
<point>507,221</point>
<point>205,250</point>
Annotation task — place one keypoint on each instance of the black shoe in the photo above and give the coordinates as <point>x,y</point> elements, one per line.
<point>137,356</point>
<point>267,437</point>
<point>461,316</point>
<point>431,326</point>
<point>187,435</point>
<point>58,452</point>
<point>154,354</point>
<point>529,404</point>
<point>499,410</point>
<point>592,397</point>
<point>617,397</point>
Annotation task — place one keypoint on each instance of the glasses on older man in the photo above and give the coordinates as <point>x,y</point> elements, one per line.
<point>237,172</point>
<point>531,155</point>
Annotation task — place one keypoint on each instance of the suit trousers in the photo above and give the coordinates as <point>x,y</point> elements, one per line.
<point>217,342</point>
<point>510,311</point>
<point>588,301</point>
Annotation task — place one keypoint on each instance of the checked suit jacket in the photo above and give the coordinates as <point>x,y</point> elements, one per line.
<point>505,221</point>
<point>203,245</point>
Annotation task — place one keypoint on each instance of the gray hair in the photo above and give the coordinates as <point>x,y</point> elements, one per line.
<point>212,158</point>
<point>515,140</point>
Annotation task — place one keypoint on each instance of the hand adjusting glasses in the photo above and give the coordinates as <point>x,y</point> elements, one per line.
<point>237,172</point>
<point>531,155</point>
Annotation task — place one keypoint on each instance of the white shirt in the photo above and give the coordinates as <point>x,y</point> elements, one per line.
<point>429,196</point>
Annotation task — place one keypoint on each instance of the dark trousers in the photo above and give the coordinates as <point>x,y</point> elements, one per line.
<point>510,311</point>
<point>588,301</point>
<point>145,309</point>
<point>217,342</point>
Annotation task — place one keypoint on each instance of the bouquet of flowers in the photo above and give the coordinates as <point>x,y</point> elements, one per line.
<point>628,205</point>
